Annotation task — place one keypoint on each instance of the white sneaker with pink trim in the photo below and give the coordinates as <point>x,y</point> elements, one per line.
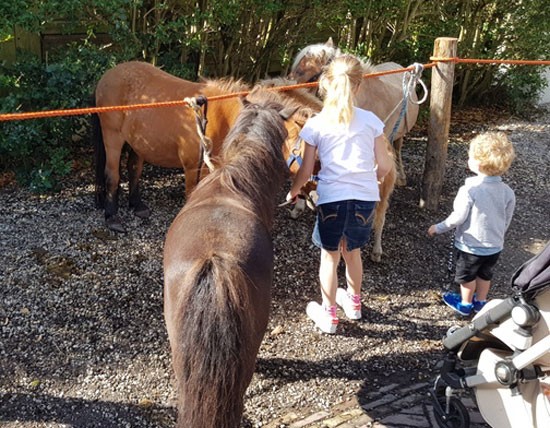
<point>324,317</point>
<point>350,303</point>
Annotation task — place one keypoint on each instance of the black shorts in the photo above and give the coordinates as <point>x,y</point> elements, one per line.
<point>469,266</point>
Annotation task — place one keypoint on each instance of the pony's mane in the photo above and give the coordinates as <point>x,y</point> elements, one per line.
<point>326,54</point>
<point>296,97</point>
<point>253,166</point>
<point>322,50</point>
<point>228,84</point>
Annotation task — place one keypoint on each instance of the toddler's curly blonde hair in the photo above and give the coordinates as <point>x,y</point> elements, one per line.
<point>493,151</point>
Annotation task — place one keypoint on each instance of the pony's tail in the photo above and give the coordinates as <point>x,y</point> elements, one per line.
<point>99,158</point>
<point>214,359</point>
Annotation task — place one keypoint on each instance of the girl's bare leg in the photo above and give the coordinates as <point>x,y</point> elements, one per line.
<point>354,268</point>
<point>328,276</point>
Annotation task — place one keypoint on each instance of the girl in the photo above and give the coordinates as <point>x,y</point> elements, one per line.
<point>354,157</point>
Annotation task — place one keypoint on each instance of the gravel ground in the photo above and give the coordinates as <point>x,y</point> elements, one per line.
<point>82,336</point>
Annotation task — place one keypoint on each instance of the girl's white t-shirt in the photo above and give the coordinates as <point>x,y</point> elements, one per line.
<point>346,155</point>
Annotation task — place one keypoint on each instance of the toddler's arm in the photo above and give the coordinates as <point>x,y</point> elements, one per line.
<point>432,230</point>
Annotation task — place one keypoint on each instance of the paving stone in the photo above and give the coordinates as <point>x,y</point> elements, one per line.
<point>381,412</point>
<point>310,420</point>
<point>384,400</point>
<point>396,409</point>
<point>416,387</point>
<point>361,421</point>
<point>335,421</point>
<point>354,412</point>
<point>389,387</point>
<point>416,410</point>
<point>407,420</point>
<point>290,417</point>
<point>273,424</point>
<point>350,404</point>
<point>407,401</point>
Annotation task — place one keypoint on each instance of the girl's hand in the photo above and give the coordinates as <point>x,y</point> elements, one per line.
<point>432,230</point>
<point>290,198</point>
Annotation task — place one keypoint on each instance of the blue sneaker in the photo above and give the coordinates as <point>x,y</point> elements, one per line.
<point>478,306</point>
<point>454,301</point>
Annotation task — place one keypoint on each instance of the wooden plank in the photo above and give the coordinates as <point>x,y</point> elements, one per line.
<point>7,51</point>
<point>27,41</point>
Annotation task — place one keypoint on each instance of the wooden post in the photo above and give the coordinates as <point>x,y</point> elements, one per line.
<point>440,120</point>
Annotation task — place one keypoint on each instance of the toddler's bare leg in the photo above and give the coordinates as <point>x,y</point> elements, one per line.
<point>482,289</point>
<point>467,291</point>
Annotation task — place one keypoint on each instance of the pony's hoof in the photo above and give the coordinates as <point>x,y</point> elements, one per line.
<point>400,180</point>
<point>294,214</point>
<point>376,257</point>
<point>142,212</point>
<point>298,208</point>
<point>115,224</point>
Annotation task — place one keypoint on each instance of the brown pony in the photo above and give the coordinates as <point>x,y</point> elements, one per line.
<point>382,95</point>
<point>296,151</point>
<point>165,137</point>
<point>218,268</point>
<point>168,136</point>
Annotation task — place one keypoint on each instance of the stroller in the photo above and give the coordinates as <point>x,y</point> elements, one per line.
<point>503,354</point>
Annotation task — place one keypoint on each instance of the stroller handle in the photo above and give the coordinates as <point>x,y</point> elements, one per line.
<point>493,316</point>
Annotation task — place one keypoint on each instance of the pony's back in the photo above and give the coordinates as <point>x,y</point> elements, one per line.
<point>218,271</point>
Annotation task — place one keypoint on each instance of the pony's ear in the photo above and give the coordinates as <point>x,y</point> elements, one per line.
<point>287,113</point>
<point>329,43</point>
<point>300,121</point>
<point>249,98</point>
<point>302,117</point>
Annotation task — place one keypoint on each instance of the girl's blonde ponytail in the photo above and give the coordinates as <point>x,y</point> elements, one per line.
<point>338,85</point>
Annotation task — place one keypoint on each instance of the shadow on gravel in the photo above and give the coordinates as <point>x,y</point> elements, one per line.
<point>82,413</point>
<point>376,371</point>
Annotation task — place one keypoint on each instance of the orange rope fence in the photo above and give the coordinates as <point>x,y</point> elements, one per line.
<point>490,61</point>
<point>92,110</point>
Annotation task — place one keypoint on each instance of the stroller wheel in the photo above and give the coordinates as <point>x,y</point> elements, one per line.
<point>457,417</point>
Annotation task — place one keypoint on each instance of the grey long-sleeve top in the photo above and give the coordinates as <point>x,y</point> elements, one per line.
<point>482,212</point>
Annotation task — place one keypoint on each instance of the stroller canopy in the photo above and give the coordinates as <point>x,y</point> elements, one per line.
<point>534,275</point>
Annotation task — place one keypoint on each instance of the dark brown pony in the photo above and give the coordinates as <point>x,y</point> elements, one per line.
<point>218,269</point>
<point>165,137</point>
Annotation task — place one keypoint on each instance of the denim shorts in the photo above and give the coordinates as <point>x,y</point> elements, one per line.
<point>349,219</point>
<point>469,266</point>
